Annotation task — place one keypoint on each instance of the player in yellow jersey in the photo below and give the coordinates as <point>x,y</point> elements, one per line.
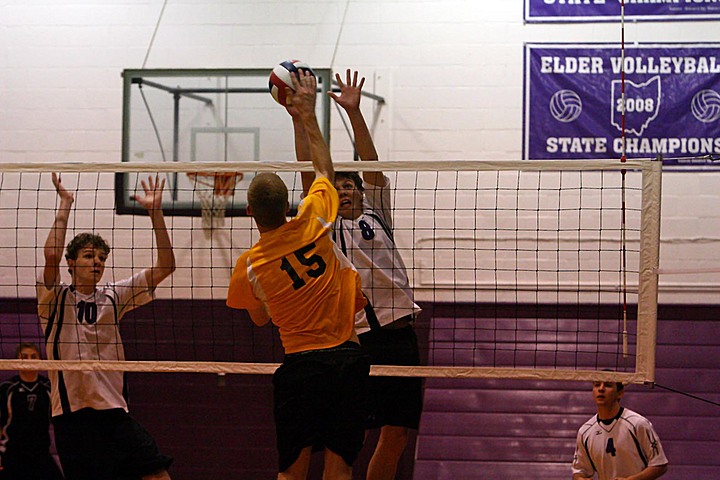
<point>363,231</point>
<point>296,276</point>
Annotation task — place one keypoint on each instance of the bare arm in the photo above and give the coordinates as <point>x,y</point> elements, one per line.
<point>349,100</point>
<point>55,243</point>
<point>650,473</point>
<point>303,99</point>
<point>152,201</point>
<point>259,316</point>
<point>302,147</point>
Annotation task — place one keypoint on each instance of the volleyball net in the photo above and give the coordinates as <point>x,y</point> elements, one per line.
<point>539,270</point>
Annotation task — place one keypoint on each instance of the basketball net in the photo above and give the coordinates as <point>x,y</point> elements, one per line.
<point>214,189</point>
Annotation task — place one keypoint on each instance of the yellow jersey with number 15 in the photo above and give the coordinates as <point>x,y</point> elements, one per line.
<point>296,276</point>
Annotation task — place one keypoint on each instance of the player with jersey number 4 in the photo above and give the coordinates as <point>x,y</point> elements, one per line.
<point>617,443</point>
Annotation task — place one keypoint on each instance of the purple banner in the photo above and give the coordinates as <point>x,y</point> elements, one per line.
<point>572,104</point>
<point>609,10</point>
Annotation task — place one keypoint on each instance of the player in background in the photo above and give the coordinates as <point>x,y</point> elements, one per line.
<point>95,436</point>
<point>295,276</point>
<point>364,232</point>
<point>25,423</point>
<point>617,443</point>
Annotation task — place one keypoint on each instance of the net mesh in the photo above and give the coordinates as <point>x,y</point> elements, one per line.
<point>214,190</point>
<point>517,266</point>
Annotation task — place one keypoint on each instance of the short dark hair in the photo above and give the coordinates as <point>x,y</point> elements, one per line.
<point>82,240</point>
<point>354,176</point>
<point>24,345</point>
<point>618,385</point>
<point>267,197</point>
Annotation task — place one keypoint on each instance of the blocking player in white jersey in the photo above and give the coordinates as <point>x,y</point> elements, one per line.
<point>364,232</point>
<point>617,443</point>
<point>95,436</point>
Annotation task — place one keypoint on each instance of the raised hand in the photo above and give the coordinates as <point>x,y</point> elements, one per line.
<point>61,190</point>
<point>153,188</point>
<point>290,104</point>
<point>302,99</point>
<point>350,90</point>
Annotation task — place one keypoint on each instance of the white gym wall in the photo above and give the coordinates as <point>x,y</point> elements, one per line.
<point>450,70</point>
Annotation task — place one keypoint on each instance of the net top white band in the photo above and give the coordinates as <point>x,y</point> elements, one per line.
<point>396,166</point>
<point>221,368</point>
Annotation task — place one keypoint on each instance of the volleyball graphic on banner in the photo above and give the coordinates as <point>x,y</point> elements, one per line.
<point>705,106</point>
<point>565,106</point>
<point>281,78</point>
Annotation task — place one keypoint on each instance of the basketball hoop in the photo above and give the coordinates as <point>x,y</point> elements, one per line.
<point>214,189</point>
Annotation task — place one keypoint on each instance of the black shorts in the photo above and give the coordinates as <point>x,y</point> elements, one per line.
<point>320,401</point>
<point>395,401</point>
<point>28,465</point>
<point>106,445</point>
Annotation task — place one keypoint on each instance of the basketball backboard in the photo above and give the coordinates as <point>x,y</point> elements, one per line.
<point>205,115</point>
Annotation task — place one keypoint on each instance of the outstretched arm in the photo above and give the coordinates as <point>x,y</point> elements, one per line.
<point>55,242</point>
<point>152,201</point>
<point>303,99</point>
<point>302,146</point>
<point>349,100</point>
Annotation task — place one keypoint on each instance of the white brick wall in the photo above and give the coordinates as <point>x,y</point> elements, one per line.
<point>451,71</point>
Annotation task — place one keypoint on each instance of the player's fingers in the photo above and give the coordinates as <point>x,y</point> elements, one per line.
<point>311,81</point>
<point>305,77</point>
<point>295,80</point>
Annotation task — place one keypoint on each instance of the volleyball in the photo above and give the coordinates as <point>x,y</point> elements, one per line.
<point>280,78</point>
<point>565,106</point>
<point>705,106</point>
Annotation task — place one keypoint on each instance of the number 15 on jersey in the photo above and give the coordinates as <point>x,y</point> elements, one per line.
<point>315,263</point>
